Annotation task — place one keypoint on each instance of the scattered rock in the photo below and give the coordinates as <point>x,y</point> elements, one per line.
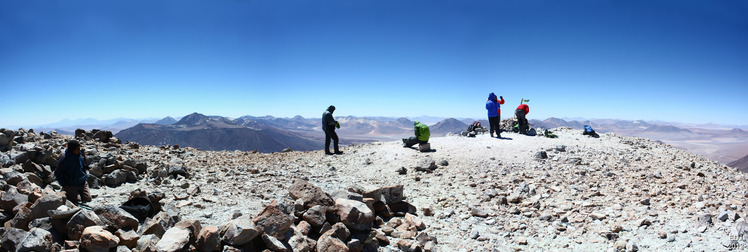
<point>175,239</point>
<point>426,164</point>
<point>355,215</point>
<point>209,239</point>
<point>81,220</point>
<point>239,232</point>
<point>116,217</point>
<point>272,220</point>
<point>36,240</point>
<point>96,238</point>
<point>309,194</point>
<point>402,171</point>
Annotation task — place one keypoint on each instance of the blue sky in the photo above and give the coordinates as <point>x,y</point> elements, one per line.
<point>680,61</point>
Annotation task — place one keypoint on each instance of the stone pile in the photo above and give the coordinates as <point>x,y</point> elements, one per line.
<point>38,217</point>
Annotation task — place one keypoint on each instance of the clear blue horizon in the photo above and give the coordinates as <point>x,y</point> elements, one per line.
<point>675,61</point>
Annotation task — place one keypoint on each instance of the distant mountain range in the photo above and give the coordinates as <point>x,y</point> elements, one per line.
<point>269,134</point>
<point>218,133</point>
<point>272,134</point>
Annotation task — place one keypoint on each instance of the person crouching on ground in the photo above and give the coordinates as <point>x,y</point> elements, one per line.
<point>422,135</point>
<point>328,126</point>
<point>493,106</point>
<point>521,114</point>
<point>71,173</point>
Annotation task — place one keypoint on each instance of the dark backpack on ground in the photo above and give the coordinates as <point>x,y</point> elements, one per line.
<point>140,207</point>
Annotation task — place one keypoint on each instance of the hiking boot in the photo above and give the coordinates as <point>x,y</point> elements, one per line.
<point>338,152</point>
<point>328,152</point>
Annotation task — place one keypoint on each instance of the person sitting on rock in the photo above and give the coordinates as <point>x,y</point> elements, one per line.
<point>422,135</point>
<point>521,114</point>
<point>71,173</point>
<point>328,126</point>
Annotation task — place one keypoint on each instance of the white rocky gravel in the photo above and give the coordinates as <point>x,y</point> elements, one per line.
<point>598,194</point>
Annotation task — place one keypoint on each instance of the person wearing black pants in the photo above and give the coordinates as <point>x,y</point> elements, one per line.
<point>493,106</point>
<point>521,114</point>
<point>328,126</point>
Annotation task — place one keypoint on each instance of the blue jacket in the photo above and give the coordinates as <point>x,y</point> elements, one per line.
<point>492,106</point>
<point>71,170</point>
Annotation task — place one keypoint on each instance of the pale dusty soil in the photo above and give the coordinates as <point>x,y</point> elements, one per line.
<point>613,175</point>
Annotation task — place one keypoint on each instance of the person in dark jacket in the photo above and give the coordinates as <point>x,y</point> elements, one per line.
<point>328,126</point>
<point>493,106</point>
<point>422,133</point>
<point>71,173</point>
<point>521,114</point>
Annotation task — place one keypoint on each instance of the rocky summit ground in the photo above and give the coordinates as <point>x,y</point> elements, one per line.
<point>519,193</point>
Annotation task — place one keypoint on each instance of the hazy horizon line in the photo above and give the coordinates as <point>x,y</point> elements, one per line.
<point>439,118</point>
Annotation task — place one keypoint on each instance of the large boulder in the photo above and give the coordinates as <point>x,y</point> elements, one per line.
<point>46,203</point>
<point>272,243</point>
<point>193,226</point>
<point>152,226</point>
<point>354,214</point>
<point>30,166</point>
<point>315,215</point>
<point>310,194</point>
<point>11,198</point>
<point>301,243</point>
<point>393,194</point>
<point>175,170</point>
<point>332,240</point>
<point>96,238</point>
<point>239,232</point>
<point>36,240</point>
<point>6,139</point>
<point>209,239</point>
<point>175,239</point>
<point>60,217</point>
<point>21,219</point>
<point>12,238</point>
<point>147,243</point>
<point>116,217</point>
<point>80,221</point>
<point>127,238</point>
<point>115,178</point>
<point>103,136</point>
<point>272,220</point>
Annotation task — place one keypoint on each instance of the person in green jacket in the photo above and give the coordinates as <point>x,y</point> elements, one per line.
<point>422,135</point>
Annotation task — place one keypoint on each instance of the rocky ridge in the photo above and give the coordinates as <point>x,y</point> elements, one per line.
<point>610,193</point>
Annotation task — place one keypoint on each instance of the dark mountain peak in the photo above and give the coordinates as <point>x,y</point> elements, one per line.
<point>166,121</point>
<point>449,125</point>
<point>737,131</point>
<point>193,119</point>
<point>667,128</point>
<point>451,121</point>
<point>405,121</point>
<point>298,118</point>
<point>741,164</point>
<point>555,120</point>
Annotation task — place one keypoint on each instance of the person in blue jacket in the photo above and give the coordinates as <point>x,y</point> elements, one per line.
<point>493,106</point>
<point>71,173</point>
